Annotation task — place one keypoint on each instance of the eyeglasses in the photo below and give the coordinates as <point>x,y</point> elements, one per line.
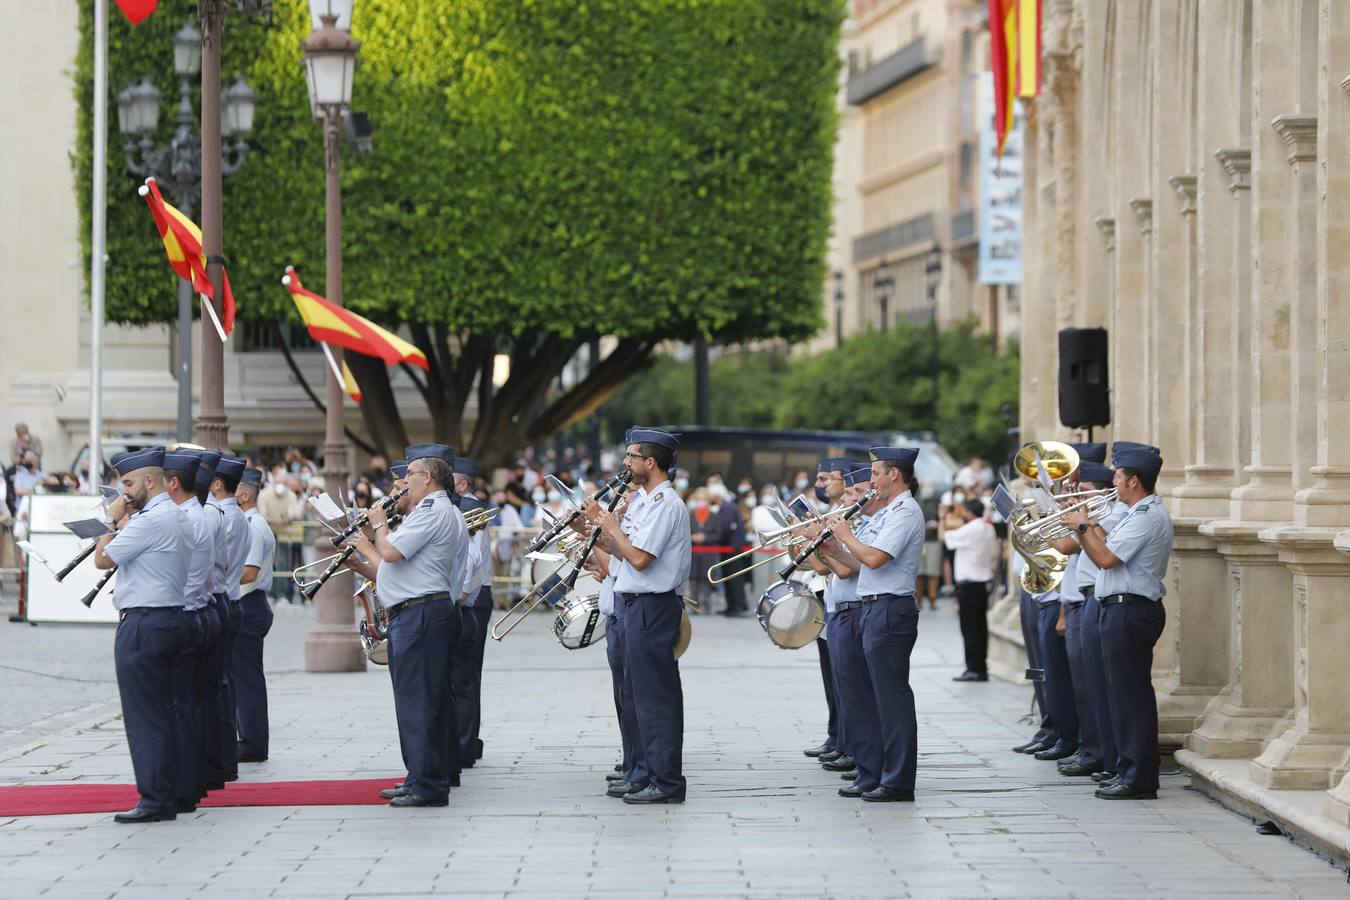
<point>631,456</point>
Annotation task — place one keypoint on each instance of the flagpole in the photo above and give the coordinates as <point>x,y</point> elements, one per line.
<point>97,244</point>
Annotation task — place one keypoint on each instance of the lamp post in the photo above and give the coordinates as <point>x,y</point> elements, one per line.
<point>212,428</point>
<point>933,271</point>
<point>838,308</point>
<point>177,167</point>
<point>330,60</point>
<point>882,285</point>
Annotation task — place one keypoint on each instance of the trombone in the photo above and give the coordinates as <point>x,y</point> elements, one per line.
<point>476,520</point>
<point>768,537</point>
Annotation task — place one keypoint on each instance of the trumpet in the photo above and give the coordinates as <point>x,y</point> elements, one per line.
<point>1037,533</point>
<point>825,535</point>
<point>768,537</point>
<point>476,520</point>
<point>385,503</point>
<point>549,587</point>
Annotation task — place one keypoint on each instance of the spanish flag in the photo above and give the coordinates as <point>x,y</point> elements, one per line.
<point>331,324</point>
<point>1015,57</point>
<point>183,245</point>
<point>137,10</point>
<point>349,385</point>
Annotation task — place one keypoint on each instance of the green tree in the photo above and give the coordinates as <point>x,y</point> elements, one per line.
<point>544,172</point>
<point>746,389</point>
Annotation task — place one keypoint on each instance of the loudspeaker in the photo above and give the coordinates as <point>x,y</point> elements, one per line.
<point>1084,389</point>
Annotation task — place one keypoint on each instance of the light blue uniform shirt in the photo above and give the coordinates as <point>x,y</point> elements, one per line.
<point>484,541</point>
<point>262,549</point>
<point>607,595</point>
<point>213,519</point>
<point>430,539</point>
<point>473,556</point>
<point>202,554</point>
<point>459,563</point>
<point>659,526</point>
<point>151,553</point>
<point>237,538</point>
<point>1087,569</point>
<point>1068,585</point>
<point>897,530</point>
<point>1143,542</point>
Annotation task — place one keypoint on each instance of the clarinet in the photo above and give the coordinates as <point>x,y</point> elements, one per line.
<point>309,590</point>
<point>825,535</point>
<point>88,599</point>
<point>551,533</point>
<point>386,503</point>
<point>570,581</point>
<point>70,566</point>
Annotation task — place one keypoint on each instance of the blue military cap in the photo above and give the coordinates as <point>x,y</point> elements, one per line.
<point>894,454</point>
<point>431,451</point>
<point>466,466</point>
<point>1144,459</point>
<point>183,460</point>
<point>151,458</point>
<point>1132,445</point>
<point>1095,452</point>
<point>209,458</point>
<point>842,463</point>
<point>399,467</point>
<point>1095,472</point>
<point>469,503</point>
<point>639,435</point>
<point>858,476</point>
<point>251,476</point>
<point>229,467</point>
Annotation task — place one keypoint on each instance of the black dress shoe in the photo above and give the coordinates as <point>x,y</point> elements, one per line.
<point>1077,770</point>
<point>852,791</point>
<point>1034,747</point>
<point>968,675</point>
<point>614,777</point>
<point>826,747</point>
<point>187,806</point>
<point>623,789</point>
<point>883,794</point>
<point>652,794</point>
<point>829,755</point>
<point>842,764</point>
<point>137,816</point>
<point>1125,792</point>
<point>397,790</point>
<point>407,800</point>
<point>850,775</point>
<point>252,758</point>
<point>1103,776</point>
<point>1055,752</point>
<point>454,780</point>
<point>216,786</point>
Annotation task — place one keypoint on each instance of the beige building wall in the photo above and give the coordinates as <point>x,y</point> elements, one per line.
<point>1190,191</point>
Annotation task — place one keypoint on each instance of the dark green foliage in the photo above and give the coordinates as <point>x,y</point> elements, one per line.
<point>746,389</point>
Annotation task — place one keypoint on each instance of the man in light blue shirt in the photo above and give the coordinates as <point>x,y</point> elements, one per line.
<point>476,604</point>
<point>1132,560</point>
<point>230,553</point>
<point>412,571</point>
<point>651,545</point>
<point>889,546</point>
<point>255,621</point>
<point>150,551</point>
<point>217,713</point>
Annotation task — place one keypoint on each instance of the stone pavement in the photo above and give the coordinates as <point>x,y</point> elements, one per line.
<point>761,820</point>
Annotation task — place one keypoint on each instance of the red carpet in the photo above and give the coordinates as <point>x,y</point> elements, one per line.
<point>63,799</point>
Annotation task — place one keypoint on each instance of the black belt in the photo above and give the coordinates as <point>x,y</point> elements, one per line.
<point>425,598</point>
<point>847,605</point>
<point>1113,599</point>
<point>122,615</point>
<point>1088,592</point>
<point>873,598</point>
<point>1074,604</point>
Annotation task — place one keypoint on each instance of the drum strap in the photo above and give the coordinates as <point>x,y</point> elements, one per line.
<point>591,621</point>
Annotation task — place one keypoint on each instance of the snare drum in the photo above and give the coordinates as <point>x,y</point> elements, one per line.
<point>540,569</point>
<point>790,615</point>
<point>579,623</point>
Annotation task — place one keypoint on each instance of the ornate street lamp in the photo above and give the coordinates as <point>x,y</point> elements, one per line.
<point>330,62</point>
<point>838,307</point>
<point>882,285</point>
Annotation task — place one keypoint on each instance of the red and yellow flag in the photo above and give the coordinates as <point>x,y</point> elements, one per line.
<point>331,324</point>
<point>183,246</point>
<point>137,10</point>
<point>349,385</point>
<point>1015,57</point>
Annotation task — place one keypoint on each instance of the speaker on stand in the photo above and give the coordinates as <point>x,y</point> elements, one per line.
<point>1084,385</point>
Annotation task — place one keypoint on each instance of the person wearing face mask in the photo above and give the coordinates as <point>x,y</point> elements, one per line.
<point>700,515</point>
<point>726,528</point>
<point>681,483</point>
<point>277,504</point>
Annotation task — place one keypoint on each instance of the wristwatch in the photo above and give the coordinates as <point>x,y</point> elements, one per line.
<point>1082,529</point>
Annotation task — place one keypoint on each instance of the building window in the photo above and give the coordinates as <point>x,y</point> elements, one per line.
<point>852,63</point>
<point>967,163</point>
<point>967,52</point>
<point>263,336</point>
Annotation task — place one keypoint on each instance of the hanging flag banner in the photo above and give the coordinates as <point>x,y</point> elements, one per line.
<point>1000,192</point>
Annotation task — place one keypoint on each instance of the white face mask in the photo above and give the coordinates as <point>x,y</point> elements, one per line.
<point>539,497</point>
<point>554,496</point>
<point>279,488</point>
<point>750,501</point>
<point>681,484</point>
<point>801,484</point>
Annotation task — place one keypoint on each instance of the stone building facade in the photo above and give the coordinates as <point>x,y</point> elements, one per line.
<point>1188,188</point>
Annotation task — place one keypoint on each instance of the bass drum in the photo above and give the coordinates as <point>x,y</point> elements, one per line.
<point>790,615</point>
<point>579,623</point>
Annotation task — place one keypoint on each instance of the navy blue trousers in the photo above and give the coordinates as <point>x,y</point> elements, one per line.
<point>465,680</point>
<point>1094,672</point>
<point>651,625</point>
<point>889,629</point>
<point>228,610</point>
<point>634,770</point>
<point>857,703</point>
<point>1089,738</point>
<point>187,710</point>
<point>1031,640</point>
<point>482,616</point>
<point>1129,631</point>
<point>831,700</point>
<point>217,713</point>
<point>421,642</point>
<point>834,693</point>
<point>250,685</point>
<point>146,651</point>
<point>1058,678</point>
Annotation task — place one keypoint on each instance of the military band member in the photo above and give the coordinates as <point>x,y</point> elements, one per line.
<point>412,572</point>
<point>651,545</point>
<point>828,489</point>
<point>150,549</point>
<point>231,551</point>
<point>889,547</point>
<point>211,674</point>
<point>180,478</point>
<point>1132,560</point>
<point>471,634</point>
<point>255,621</point>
